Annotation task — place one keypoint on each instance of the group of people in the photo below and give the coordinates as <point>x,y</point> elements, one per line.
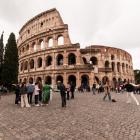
<point>42,94</point>
<point>128,87</point>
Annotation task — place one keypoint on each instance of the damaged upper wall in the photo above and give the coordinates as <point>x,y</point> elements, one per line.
<point>49,22</point>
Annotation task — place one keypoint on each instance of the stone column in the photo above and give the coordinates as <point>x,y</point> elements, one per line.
<point>78,80</point>
<point>78,57</point>
<point>65,62</point>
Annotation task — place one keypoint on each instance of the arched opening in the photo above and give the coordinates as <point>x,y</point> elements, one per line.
<point>27,48</point>
<point>20,80</point>
<point>25,80</point>
<point>26,65</point>
<point>59,78</point>
<point>39,79</point>
<point>72,80</point>
<point>105,79</point>
<point>114,80</point>
<point>21,67</point>
<point>39,62</point>
<point>118,66</point>
<point>123,67</point>
<point>94,60</point>
<point>113,66</point>
<point>71,59</point>
<point>48,80</point>
<point>60,40</point>
<point>84,60</point>
<point>85,81</point>
<point>48,61</point>
<point>50,42</point>
<point>31,64</point>
<point>41,44</point>
<point>31,80</point>
<point>96,79</point>
<point>59,59</point>
<point>112,57</point>
<point>106,64</point>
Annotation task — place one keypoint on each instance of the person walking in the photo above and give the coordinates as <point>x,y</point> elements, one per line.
<point>40,91</point>
<point>130,88</point>
<point>46,93</point>
<point>23,92</point>
<point>30,91</point>
<point>62,89</point>
<point>107,89</point>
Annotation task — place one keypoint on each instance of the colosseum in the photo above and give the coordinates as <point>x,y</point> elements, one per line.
<point>47,54</point>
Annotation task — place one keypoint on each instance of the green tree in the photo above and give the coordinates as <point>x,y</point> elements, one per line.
<point>1,55</point>
<point>10,66</point>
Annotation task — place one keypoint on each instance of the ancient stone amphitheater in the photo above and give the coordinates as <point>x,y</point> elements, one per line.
<point>46,53</point>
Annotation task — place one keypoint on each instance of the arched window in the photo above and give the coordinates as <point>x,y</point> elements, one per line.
<point>59,78</point>
<point>39,62</point>
<point>85,81</point>
<point>123,67</point>
<point>60,40</point>
<point>84,60</point>
<point>48,60</point>
<point>21,67</point>
<point>27,48</point>
<point>113,66</point>
<point>72,79</point>
<point>94,60</point>
<point>50,42</point>
<point>106,64</point>
<point>31,64</point>
<point>42,45</point>
<point>26,65</point>
<point>59,59</point>
<point>118,66</point>
<point>112,57</point>
<point>48,80</point>
<point>71,59</point>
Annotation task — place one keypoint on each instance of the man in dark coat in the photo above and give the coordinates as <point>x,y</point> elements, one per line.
<point>62,89</point>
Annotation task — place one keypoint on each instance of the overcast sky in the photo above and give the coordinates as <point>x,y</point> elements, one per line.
<point>114,23</point>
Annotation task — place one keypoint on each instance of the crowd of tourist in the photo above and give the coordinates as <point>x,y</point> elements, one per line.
<point>41,94</point>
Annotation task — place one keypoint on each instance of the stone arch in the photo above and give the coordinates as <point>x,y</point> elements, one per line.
<point>59,59</point>
<point>60,40</point>
<point>25,80</point>
<point>27,48</point>
<point>26,65</point>
<point>34,47</point>
<point>71,59</point>
<point>112,57</point>
<point>48,60</point>
<point>72,79</point>
<point>48,80</point>
<point>123,67</point>
<point>31,63</point>
<point>50,42</point>
<point>39,62</point>
<point>118,66</point>
<point>107,64</point>
<point>113,66</point>
<point>59,78</point>
<point>31,80</point>
<point>94,60</point>
<point>21,66</point>
<point>84,60</point>
<point>38,79</point>
<point>41,42</point>
<point>85,80</point>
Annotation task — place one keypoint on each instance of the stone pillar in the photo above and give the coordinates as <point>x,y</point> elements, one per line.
<point>65,62</point>
<point>78,80</point>
<point>66,38</point>
<point>55,43</point>
<point>78,57</point>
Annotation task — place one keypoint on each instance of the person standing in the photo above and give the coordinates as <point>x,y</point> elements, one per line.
<point>130,88</point>
<point>36,93</point>
<point>46,93</point>
<point>107,89</point>
<point>68,90</point>
<point>72,89</point>
<point>23,92</point>
<point>62,89</point>
<point>40,91</point>
<point>94,88</point>
<point>17,92</point>
<point>30,91</point>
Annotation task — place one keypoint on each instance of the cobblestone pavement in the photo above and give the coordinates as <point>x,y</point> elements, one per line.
<point>87,117</point>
